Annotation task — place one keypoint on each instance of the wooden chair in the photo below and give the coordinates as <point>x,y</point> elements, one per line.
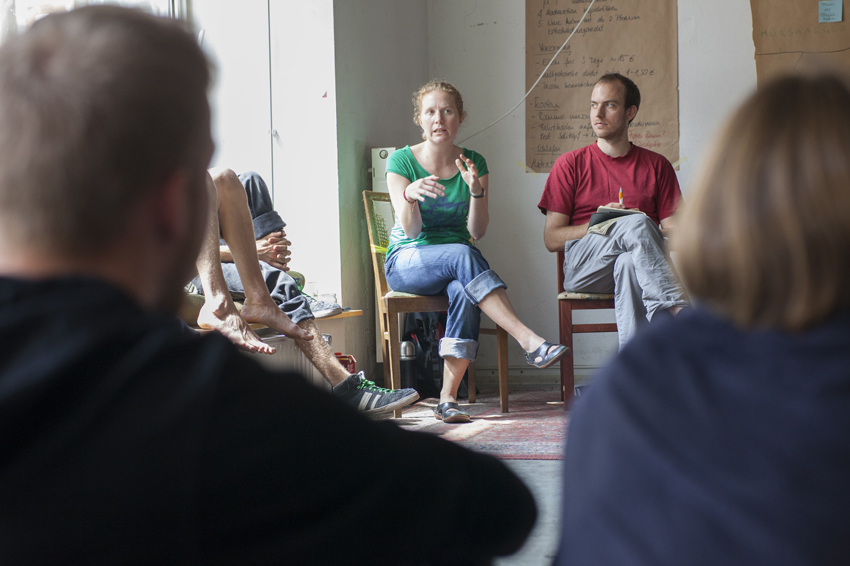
<point>391,304</point>
<point>567,303</point>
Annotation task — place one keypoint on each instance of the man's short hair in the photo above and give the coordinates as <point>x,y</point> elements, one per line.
<point>765,234</point>
<point>630,89</point>
<point>97,106</point>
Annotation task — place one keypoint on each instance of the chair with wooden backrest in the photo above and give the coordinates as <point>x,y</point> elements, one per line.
<point>567,303</point>
<point>392,303</point>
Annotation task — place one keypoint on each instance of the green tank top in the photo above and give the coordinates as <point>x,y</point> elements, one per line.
<point>443,219</point>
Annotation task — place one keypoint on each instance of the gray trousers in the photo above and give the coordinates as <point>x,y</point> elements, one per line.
<point>632,262</point>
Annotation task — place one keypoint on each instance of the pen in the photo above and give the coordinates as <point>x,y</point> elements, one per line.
<point>621,195</point>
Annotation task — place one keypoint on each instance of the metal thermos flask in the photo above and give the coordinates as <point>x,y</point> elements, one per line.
<point>408,361</point>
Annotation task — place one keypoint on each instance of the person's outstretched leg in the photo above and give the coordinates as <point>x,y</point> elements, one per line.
<point>320,354</point>
<point>498,307</point>
<point>428,270</point>
<point>219,313</point>
<point>238,232</point>
<point>262,286</point>
<point>354,389</point>
<point>460,344</point>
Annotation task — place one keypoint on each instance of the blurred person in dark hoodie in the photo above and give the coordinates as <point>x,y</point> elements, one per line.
<point>124,439</point>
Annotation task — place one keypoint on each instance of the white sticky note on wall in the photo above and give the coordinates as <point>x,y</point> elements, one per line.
<point>830,11</point>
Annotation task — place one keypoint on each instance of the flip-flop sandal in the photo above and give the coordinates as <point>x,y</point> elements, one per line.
<point>449,412</point>
<point>546,355</point>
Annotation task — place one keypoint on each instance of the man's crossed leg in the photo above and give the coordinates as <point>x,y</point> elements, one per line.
<point>632,262</point>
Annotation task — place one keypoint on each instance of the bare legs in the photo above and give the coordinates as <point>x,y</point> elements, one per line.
<point>237,231</point>
<point>453,370</point>
<point>321,355</point>
<point>498,307</point>
<point>219,313</point>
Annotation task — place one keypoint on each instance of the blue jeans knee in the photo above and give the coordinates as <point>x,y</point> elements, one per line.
<point>456,270</point>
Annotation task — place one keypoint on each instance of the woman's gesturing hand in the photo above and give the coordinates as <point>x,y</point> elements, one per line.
<point>469,172</point>
<point>424,187</point>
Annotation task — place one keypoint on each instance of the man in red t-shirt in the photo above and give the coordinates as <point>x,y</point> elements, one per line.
<point>630,259</point>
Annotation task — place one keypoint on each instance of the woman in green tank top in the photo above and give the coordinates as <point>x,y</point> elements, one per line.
<point>440,194</point>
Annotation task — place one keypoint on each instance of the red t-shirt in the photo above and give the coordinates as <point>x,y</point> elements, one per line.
<point>586,178</point>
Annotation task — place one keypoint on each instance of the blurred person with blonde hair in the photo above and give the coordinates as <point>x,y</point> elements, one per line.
<point>737,451</point>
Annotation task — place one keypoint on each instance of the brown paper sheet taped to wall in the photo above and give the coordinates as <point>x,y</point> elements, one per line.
<point>788,37</point>
<point>637,38</point>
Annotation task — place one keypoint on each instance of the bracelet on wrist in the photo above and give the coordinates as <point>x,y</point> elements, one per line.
<point>477,196</point>
<point>407,199</point>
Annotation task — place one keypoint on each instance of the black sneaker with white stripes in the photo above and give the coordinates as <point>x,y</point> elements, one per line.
<point>371,399</point>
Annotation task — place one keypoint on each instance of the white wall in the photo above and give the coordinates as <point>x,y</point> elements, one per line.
<point>480,47</point>
<point>381,58</point>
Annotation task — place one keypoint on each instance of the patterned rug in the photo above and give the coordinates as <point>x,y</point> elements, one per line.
<point>534,429</point>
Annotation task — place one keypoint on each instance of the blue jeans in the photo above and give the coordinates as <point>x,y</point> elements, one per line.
<point>456,270</point>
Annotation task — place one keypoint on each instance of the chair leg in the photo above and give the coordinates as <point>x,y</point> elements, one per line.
<point>502,346</point>
<point>565,323</point>
<point>394,354</point>
<point>470,383</point>
<point>387,365</point>
<point>385,352</point>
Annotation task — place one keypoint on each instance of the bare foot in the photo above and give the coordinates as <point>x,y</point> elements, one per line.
<point>273,317</point>
<point>224,318</point>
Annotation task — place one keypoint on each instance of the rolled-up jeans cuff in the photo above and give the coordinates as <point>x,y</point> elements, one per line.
<point>484,284</point>
<point>458,348</point>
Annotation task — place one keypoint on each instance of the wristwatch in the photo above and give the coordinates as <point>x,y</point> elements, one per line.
<point>477,196</point>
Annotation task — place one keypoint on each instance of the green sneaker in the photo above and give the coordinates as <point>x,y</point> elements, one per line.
<point>370,399</point>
